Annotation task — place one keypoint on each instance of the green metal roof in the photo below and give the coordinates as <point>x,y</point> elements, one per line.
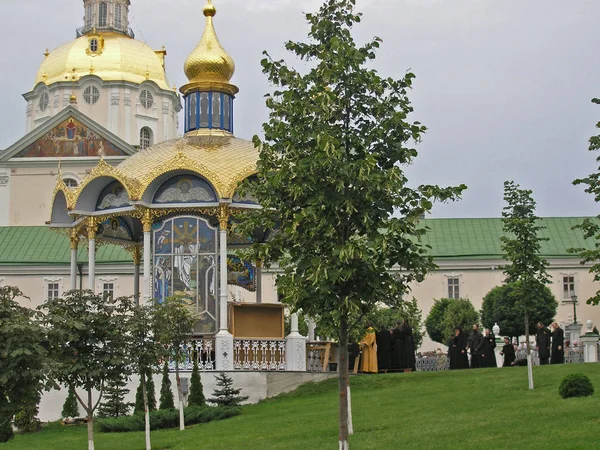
<point>448,238</point>
<point>40,246</point>
<point>480,238</point>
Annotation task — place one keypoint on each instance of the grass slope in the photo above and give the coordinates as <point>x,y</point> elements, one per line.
<point>468,409</point>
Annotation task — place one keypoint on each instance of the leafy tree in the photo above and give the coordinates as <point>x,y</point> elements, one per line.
<point>591,227</point>
<point>22,358</point>
<point>225,394</point>
<point>435,319</point>
<point>175,323</point>
<point>526,269</point>
<point>500,306</point>
<point>88,344</point>
<point>196,396</point>
<point>166,394</point>
<point>70,407</point>
<point>389,316</point>
<point>114,404</point>
<point>26,418</point>
<point>336,200</point>
<point>146,350</point>
<point>459,313</point>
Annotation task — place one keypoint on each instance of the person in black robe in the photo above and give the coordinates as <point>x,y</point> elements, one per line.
<point>475,345</point>
<point>488,355</point>
<point>542,343</point>
<point>384,344</point>
<point>508,351</point>
<point>397,347</point>
<point>408,355</point>
<point>458,350</point>
<point>558,345</point>
<point>353,353</point>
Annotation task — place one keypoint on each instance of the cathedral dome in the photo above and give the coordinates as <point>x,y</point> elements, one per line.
<point>108,55</point>
<point>209,62</point>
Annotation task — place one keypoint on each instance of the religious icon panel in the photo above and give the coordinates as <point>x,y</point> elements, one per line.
<point>185,266</point>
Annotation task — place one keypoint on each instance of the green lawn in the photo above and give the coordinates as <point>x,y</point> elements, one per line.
<point>485,408</point>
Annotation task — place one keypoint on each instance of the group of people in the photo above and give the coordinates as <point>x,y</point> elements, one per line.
<point>480,346</point>
<point>549,345</point>
<point>386,350</point>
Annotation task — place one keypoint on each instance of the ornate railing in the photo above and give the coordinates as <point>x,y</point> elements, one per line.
<point>259,354</point>
<point>574,355</point>
<point>83,30</point>
<point>432,363</point>
<point>201,350</point>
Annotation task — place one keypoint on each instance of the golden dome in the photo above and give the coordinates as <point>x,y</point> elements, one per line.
<point>209,62</point>
<point>120,58</point>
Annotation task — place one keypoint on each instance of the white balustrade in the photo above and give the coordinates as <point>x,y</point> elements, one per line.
<point>259,354</point>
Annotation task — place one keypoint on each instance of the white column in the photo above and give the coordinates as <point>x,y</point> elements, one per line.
<point>92,265</point>
<point>589,341</point>
<point>223,339</point>
<point>311,329</point>
<point>295,348</point>
<point>147,269</point>
<point>136,275</point>
<point>74,245</point>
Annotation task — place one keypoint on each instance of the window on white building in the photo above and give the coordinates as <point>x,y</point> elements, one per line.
<point>52,290</point>
<point>89,16</point>
<point>146,99</point>
<point>44,101</point>
<point>102,14</point>
<point>91,94</point>
<point>118,17</point>
<point>568,286</point>
<point>108,291</point>
<point>71,182</point>
<point>145,138</point>
<point>453,287</point>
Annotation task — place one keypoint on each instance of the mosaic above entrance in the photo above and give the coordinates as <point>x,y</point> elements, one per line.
<point>70,139</point>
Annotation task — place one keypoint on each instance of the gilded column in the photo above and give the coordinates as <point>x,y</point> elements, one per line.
<point>137,259</point>
<point>223,339</point>
<point>74,246</point>
<point>92,254</point>
<point>147,223</point>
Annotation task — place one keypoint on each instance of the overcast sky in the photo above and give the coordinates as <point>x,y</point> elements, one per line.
<point>504,86</point>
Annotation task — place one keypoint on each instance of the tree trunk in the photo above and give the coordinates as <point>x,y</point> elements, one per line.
<point>529,359</point>
<point>146,412</point>
<point>343,381</point>
<point>180,397</point>
<point>90,420</point>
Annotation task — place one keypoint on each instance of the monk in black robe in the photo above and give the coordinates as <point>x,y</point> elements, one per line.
<point>408,355</point>
<point>558,344</point>
<point>397,347</point>
<point>508,351</point>
<point>458,350</point>
<point>475,345</point>
<point>542,343</point>
<point>384,344</point>
<point>488,355</point>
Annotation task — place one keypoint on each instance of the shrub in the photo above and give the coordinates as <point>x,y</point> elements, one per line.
<point>70,407</point>
<point>150,392</point>
<point>166,393</point>
<point>225,394</point>
<point>168,418</point>
<point>26,420</point>
<point>196,396</point>
<point>114,404</point>
<point>575,385</point>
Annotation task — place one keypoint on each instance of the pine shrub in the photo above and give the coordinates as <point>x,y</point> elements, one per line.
<point>114,404</point>
<point>196,396</point>
<point>70,407</point>
<point>166,393</point>
<point>139,396</point>
<point>225,395</point>
<point>575,385</point>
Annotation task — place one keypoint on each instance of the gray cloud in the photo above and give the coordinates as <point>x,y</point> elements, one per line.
<point>503,86</point>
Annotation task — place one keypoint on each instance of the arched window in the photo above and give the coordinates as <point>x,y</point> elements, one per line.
<point>91,94</point>
<point>71,182</point>
<point>93,45</point>
<point>204,110</point>
<point>89,16</point>
<point>192,124</point>
<point>145,138</point>
<point>118,17</point>
<point>216,110</point>
<point>102,14</point>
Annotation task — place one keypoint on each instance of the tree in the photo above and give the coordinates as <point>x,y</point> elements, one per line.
<point>500,306</point>
<point>146,350</point>
<point>88,344</point>
<point>196,396</point>
<point>70,407</point>
<point>114,404</point>
<point>335,199</point>
<point>591,227</point>
<point>26,418</point>
<point>459,313</point>
<point>435,319</point>
<point>22,358</point>
<point>225,394</point>
<point>166,394</point>
<point>174,326</point>
<point>405,310</point>
<point>521,244</point>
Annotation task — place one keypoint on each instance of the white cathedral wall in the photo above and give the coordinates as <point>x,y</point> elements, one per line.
<point>4,196</point>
